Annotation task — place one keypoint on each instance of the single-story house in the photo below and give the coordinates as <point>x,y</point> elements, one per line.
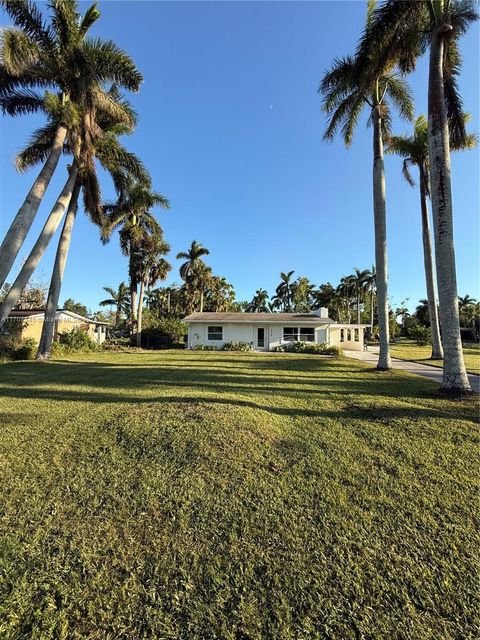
<point>264,331</point>
<point>28,323</point>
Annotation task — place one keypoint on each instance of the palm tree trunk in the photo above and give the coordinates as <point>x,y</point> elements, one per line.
<point>39,247</point>
<point>48,328</point>
<point>22,222</point>
<point>379,212</point>
<point>437,350</point>
<point>140,314</point>
<point>201,300</point>
<point>372,302</point>
<point>455,379</point>
<point>358,307</point>
<point>117,316</point>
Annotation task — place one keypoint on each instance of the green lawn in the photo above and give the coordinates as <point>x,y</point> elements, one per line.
<point>408,350</point>
<point>226,496</point>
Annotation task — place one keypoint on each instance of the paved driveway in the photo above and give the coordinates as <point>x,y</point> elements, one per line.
<point>425,370</point>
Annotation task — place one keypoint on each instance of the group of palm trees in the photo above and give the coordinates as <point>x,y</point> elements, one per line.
<point>51,65</point>
<point>396,34</point>
<point>201,289</point>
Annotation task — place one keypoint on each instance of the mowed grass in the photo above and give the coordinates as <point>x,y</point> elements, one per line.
<point>409,350</point>
<point>234,496</point>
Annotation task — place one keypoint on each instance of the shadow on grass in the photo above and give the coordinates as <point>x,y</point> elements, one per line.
<point>125,384</point>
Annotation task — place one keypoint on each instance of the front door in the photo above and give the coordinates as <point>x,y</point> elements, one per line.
<point>261,338</point>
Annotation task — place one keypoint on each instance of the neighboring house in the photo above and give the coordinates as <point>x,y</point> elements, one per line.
<point>264,331</point>
<point>28,323</point>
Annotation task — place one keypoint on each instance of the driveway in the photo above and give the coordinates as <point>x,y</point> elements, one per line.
<point>425,370</point>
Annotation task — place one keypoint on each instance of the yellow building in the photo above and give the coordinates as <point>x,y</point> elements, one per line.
<point>31,323</point>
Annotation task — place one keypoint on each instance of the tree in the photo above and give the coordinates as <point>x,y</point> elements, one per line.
<point>346,291</point>
<point>349,87</point>
<point>131,214</point>
<point>259,303</point>
<point>414,150</point>
<point>119,298</point>
<point>283,293</point>
<point>409,29</point>
<point>219,295</point>
<point>360,283</point>
<point>76,307</point>
<point>302,295</point>
<point>194,272</point>
<point>422,313</point>
<point>59,54</point>
<point>467,308</point>
<point>150,266</point>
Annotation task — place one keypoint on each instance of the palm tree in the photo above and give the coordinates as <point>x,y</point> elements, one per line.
<point>370,284</point>
<point>360,283</point>
<point>283,297</point>
<point>119,298</point>
<point>349,87</point>
<point>150,267</point>
<point>408,29</point>
<point>220,294</point>
<point>346,291</point>
<point>259,302</point>
<point>59,55</point>
<point>131,213</point>
<point>194,271</point>
<point>414,150</point>
<point>465,306</point>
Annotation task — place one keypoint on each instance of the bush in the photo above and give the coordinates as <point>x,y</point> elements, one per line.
<point>205,347</point>
<point>421,335</point>
<point>26,351</point>
<point>237,346</point>
<point>117,344</point>
<point>16,348</point>
<point>75,340</point>
<point>322,349</point>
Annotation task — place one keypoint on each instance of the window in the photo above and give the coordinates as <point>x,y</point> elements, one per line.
<point>260,337</point>
<point>349,335</point>
<point>342,335</point>
<point>215,333</point>
<point>307,334</point>
<point>299,334</point>
<point>356,335</point>
<point>290,333</point>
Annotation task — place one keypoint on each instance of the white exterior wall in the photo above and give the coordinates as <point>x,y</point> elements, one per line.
<point>245,332</point>
<point>352,345</point>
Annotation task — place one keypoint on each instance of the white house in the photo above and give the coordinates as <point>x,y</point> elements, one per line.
<point>264,331</point>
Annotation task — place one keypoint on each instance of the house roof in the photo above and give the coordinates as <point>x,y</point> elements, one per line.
<point>310,318</point>
<point>28,313</point>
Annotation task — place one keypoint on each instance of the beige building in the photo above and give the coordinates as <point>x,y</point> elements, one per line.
<point>28,323</point>
<point>264,331</point>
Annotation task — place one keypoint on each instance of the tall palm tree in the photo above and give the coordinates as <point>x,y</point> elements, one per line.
<point>57,55</point>
<point>414,150</point>
<point>465,305</point>
<point>346,290</point>
<point>194,272</point>
<point>283,297</point>
<point>259,302</point>
<point>359,281</point>
<point>370,283</point>
<point>119,298</point>
<point>150,266</point>
<point>409,29</point>
<point>348,88</point>
<point>131,214</point>
<point>113,158</point>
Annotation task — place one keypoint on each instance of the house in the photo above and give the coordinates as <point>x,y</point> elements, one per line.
<point>28,323</point>
<point>264,331</point>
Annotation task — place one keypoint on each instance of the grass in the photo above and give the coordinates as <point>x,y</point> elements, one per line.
<point>223,496</point>
<point>409,350</point>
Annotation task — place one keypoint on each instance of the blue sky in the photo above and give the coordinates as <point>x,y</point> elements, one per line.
<point>231,130</point>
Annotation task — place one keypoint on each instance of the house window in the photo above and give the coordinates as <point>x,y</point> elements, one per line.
<point>356,335</point>
<point>342,335</point>
<point>307,334</point>
<point>290,333</point>
<point>349,335</point>
<point>299,334</point>
<point>215,333</point>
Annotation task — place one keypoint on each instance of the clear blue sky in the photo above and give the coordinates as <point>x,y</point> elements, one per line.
<point>231,130</point>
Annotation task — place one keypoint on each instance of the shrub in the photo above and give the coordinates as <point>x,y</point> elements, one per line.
<point>322,349</point>
<point>205,347</point>
<point>26,350</point>
<point>117,344</point>
<point>237,346</point>
<point>421,335</point>
<point>75,340</point>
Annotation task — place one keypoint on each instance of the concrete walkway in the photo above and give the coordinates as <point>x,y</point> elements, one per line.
<point>425,370</point>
